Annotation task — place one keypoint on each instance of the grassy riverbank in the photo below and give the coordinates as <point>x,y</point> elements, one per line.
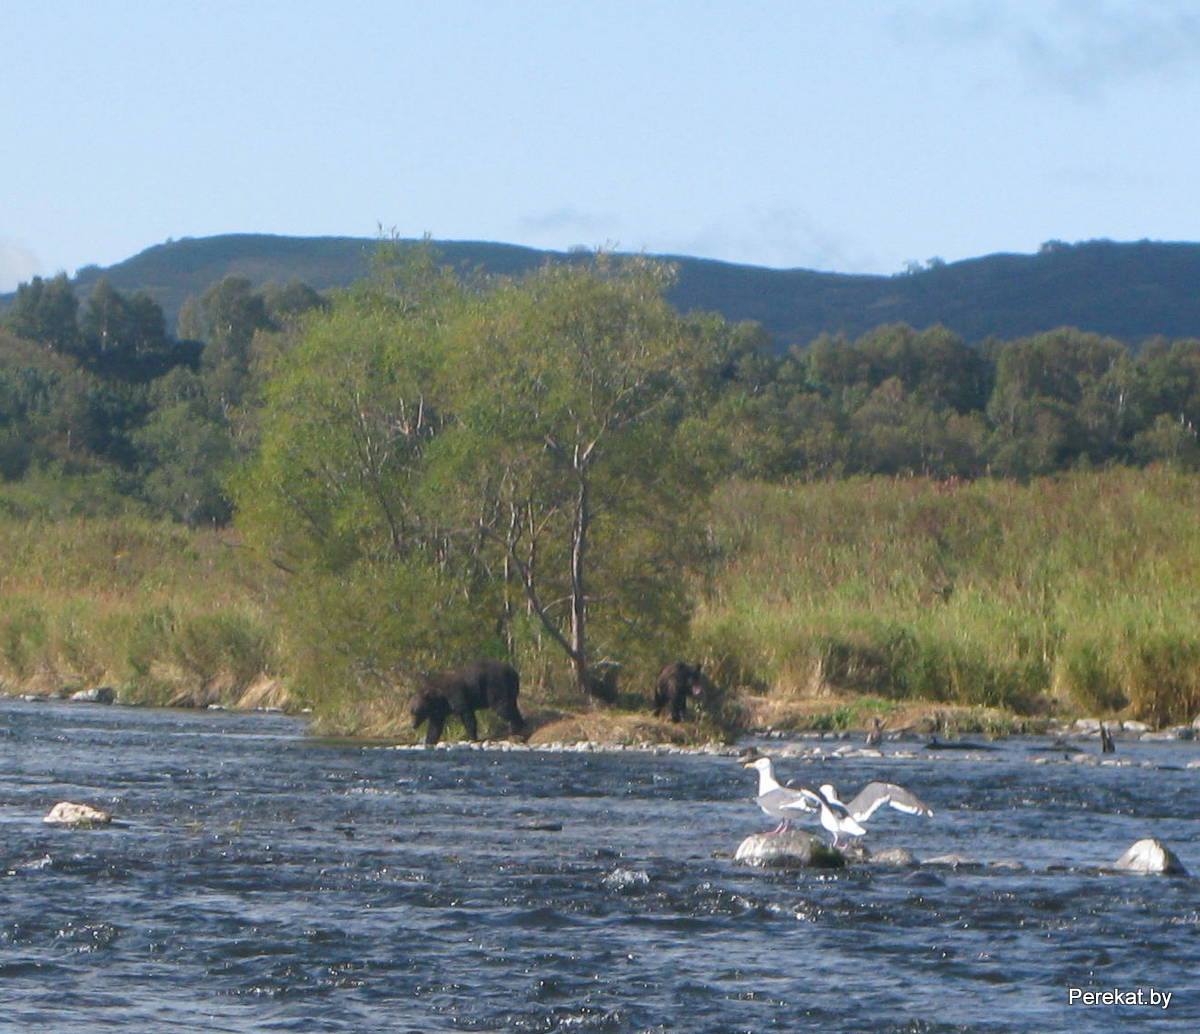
<point>983,607</point>
<point>163,614</point>
<point>1078,593</point>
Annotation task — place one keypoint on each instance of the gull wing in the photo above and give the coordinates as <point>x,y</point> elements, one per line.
<point>805,800</point>
<point>774,801</point>
<point>875,795</point>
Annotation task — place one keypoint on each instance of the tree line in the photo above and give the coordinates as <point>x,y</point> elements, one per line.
<point>113,386</point>
<point>451,466</point>
<point>100,393</point>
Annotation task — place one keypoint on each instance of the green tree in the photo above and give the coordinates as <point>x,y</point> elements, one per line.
<point>184,452</point>
<point>335,492</point>
<point>564,442</point>
<point>125,336</point>
<point>511,452</point>
<point>45,311</point>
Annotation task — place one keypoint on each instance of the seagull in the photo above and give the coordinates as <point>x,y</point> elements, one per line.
<point>835,816</point>
<point>839,817</point>
<point>773,798</point>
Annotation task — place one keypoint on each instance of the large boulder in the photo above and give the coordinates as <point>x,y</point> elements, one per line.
<point>67,813</point>
<point>1150,856</point>
<point>95,695</point>
<point>789,850</point>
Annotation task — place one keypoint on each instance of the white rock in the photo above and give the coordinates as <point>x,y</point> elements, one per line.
<point>1152,856</point>
<point>1135,727</point>
<point>1087,724</point>
<point>66,813</point>
<point>96,695</point>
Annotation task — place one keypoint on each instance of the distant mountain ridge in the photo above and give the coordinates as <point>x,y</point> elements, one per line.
<point>1130,291</point>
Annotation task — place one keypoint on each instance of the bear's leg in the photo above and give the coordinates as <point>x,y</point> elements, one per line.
<point>468,720</point>
<point>678,707</point>
<point>661,699</point>
<point>434,730</point>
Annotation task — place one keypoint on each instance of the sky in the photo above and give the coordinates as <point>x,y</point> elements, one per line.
<point>853,137</point>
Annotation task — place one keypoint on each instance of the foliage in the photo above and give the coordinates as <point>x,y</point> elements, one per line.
<point>508,450</point>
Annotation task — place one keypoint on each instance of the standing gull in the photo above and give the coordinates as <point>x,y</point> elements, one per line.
<point>773,798</point>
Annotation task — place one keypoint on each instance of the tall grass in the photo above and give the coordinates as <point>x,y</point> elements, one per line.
<point>163,614</point>
<point>1081,591</point>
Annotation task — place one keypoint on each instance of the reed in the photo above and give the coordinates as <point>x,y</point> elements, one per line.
<point>163,614</point>
<point>1080,591</point>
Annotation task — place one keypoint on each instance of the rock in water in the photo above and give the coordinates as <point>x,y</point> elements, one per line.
<point>900,856</point>
<point>96,695</point>
<point>1150,855</point>
<point>789,850</point>
<point>952,861</point>
<point>65,813</point>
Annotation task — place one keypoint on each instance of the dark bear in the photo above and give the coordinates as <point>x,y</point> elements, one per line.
<point>491,684</point>
<point>676,682</point>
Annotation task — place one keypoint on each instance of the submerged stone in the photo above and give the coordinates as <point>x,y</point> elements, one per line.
<point>952,861</point>
<point>789,850</point>
<point>1150,856</point>
<point>79,816</point>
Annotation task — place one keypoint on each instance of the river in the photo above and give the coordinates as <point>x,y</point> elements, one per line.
<point>263,880</point>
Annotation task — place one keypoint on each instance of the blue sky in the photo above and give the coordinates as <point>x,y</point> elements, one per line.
<point>828,135</point>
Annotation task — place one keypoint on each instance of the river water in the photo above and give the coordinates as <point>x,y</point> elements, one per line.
<point>267,881</point>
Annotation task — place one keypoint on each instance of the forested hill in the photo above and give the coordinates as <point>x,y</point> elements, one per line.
<point>1130,291</point>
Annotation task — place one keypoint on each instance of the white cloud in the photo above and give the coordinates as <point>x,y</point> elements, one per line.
<point>1077,47</point>
<point>567,227</point>
<point>780,237</point>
